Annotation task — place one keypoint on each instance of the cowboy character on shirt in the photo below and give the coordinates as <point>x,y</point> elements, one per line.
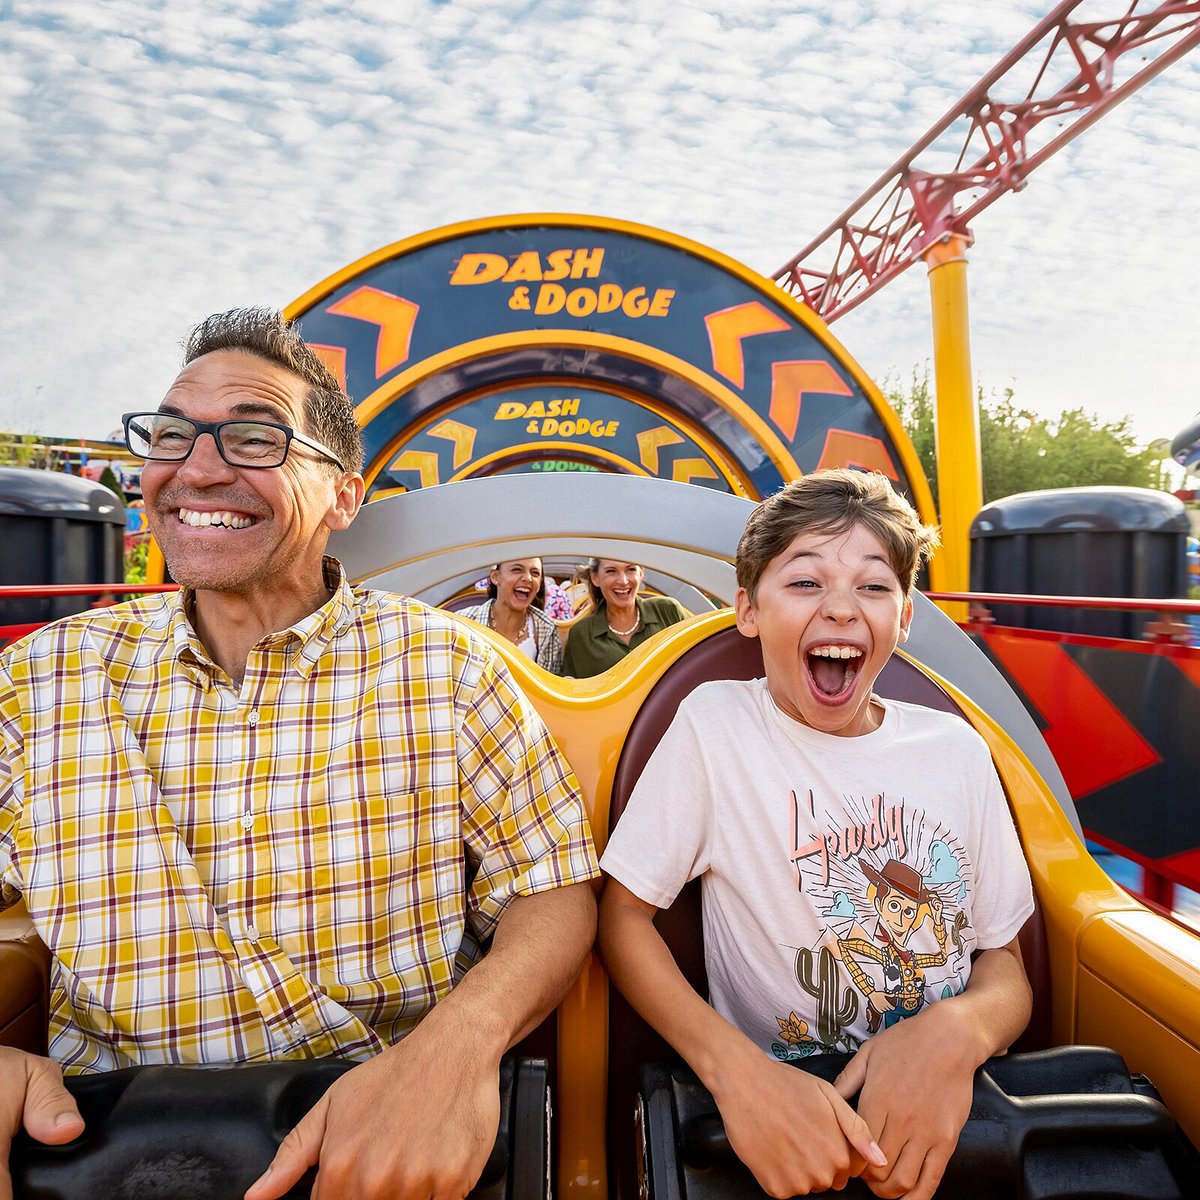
<point>901,904</point>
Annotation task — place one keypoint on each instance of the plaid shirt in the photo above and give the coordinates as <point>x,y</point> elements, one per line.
<point>298,867</point>
<point>545,634</point>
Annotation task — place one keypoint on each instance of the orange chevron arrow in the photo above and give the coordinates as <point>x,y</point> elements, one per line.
<point>846,449</point>
<point>1079,715</point>
<point>726,329</point>
<point>650,441</point>
<point>423,461</point>
<point>334,357</point>
<point>463,437</point>
<point>789,382</point>
<point>395,317</point>
<point>687,469</point>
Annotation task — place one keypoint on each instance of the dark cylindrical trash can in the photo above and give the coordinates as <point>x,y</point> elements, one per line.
<point>55,529</point>
<point>1092,541</point>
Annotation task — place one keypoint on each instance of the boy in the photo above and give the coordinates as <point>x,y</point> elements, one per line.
<point>858,863</point>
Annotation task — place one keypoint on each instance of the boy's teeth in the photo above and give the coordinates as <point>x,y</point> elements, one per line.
<point>836,652</point>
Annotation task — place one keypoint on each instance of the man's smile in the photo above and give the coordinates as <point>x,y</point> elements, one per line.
<point>203,520</point>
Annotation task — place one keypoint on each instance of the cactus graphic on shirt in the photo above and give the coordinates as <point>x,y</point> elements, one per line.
<point>834,1013</point>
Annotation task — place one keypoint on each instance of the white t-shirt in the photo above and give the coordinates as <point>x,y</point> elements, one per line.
<point>823,861</point>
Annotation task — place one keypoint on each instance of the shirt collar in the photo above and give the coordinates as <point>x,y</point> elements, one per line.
<point>308,637</point>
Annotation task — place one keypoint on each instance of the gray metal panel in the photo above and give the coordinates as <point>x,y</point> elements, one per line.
<point>417,541</point>
<point>523,511</point>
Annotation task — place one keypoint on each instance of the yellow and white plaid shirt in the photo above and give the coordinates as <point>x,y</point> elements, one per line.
<point>298,867</point>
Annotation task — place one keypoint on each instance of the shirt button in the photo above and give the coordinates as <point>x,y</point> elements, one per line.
<point>252,933</point>
<point>247,821</point>
<point>297,1030</point>
<point>252,717</point>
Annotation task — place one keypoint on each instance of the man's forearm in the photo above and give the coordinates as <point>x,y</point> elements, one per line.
<point>537,951</point>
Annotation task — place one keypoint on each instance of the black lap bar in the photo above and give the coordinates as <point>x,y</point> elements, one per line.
<point>186,1133</point>
<point>1052,1125</point>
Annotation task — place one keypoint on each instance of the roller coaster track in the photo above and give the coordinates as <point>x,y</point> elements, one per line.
<point>1080,70</point>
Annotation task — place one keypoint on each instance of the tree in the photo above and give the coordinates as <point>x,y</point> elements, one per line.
<point>27,450</point>
<point>1023,451</point>
<point>108,478</point>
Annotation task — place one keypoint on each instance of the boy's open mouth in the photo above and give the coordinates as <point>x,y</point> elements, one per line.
<point>833,669</point>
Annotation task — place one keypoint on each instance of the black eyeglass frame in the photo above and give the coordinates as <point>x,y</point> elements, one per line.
<point>214,428</point>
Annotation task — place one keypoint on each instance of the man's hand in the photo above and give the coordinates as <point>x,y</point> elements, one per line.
<point>793,1131</point>
<point>420,1119</point>
<point>32,1095</point>
<point>417,1121</point>
<point>916,1085</point>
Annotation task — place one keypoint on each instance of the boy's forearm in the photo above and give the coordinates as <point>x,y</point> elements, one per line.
<point>641,965</point>
<point>792,1130</point>
<point>999,992</point>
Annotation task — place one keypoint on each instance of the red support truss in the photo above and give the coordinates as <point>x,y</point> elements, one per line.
<point>1079,70</point>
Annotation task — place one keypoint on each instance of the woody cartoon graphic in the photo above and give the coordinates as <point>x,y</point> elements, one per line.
<point>901,905</point>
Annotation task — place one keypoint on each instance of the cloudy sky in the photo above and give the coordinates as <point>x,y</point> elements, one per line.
<point>162,160</point>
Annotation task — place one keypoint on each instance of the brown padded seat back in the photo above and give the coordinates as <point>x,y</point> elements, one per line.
<point>729,655</point>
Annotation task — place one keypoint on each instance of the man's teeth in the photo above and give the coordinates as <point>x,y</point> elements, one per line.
<point>836,652</point>
<point>201,520</point>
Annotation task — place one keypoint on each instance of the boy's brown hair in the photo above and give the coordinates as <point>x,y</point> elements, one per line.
<point>832,502</point>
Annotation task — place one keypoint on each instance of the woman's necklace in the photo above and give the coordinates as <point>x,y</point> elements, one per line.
<point>626,632</point>
<point>522,635</point>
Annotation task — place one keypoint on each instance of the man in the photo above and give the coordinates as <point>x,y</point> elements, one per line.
<point>242,816</point>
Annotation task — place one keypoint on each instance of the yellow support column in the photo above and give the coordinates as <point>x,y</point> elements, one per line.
<point>956,429</point>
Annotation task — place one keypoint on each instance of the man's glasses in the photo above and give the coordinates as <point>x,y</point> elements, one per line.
<point>165,437</point>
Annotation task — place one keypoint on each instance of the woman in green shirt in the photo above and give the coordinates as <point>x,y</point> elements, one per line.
<point>620,619</point>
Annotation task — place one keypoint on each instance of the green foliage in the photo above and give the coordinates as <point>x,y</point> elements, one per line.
<point>108,478</point>
<point>1023,451</point>
<point>135,563</point>
<point>914,407</point>
<point>27,450</point>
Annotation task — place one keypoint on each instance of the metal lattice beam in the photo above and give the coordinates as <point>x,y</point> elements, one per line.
<point>1080,69</point>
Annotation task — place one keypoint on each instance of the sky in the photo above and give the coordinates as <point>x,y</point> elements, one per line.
<point>160,161</point>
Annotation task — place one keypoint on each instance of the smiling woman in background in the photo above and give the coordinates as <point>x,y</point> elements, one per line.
<point>516,593</point>
<point>621,618</point>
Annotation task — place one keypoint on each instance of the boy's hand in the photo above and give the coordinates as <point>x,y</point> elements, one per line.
<point>916,1085</point>
<point>792,1130</point>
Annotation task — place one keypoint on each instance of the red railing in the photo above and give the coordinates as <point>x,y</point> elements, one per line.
<point>1169,636</point>
<point>107,593</point>
<point>1135,604</point>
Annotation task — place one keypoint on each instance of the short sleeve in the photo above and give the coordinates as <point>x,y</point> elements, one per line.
<point>579,657</point>
<point>680,613</point>
<point>523,819</point>
<point>664,838</point>
<point>1003,893</point>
